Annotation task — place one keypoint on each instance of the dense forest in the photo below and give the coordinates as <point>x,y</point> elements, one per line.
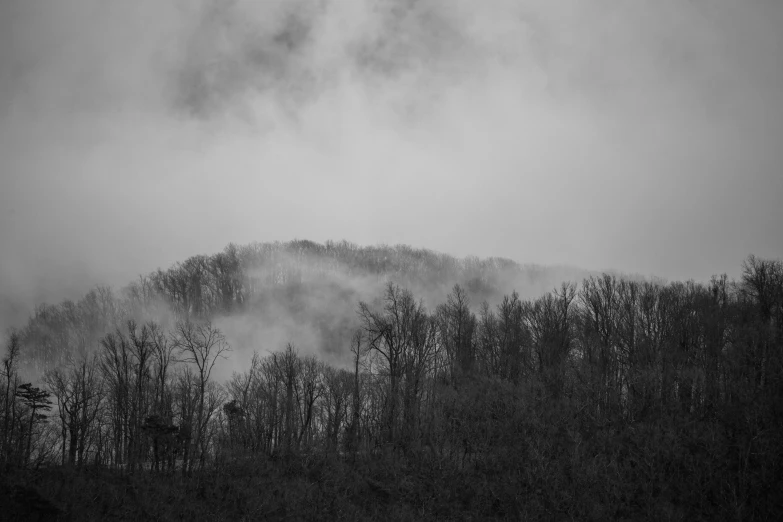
<point>399,384</point>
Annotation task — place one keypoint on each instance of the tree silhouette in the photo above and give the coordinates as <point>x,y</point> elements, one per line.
<point>36,400</point>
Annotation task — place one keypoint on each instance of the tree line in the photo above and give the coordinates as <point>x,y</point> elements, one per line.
<point>663,385</point>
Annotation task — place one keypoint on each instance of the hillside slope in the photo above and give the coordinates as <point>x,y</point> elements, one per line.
<point>310,382</point>
<point>264,295</point>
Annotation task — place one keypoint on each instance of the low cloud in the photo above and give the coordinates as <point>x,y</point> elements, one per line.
<point>632,135</point>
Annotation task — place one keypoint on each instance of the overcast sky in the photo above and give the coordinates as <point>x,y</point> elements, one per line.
<point>639,135</point>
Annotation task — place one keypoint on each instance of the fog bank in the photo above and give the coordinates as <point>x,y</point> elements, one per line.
<point>636,135</point>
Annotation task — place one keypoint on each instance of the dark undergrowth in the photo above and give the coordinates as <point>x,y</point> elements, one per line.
<point>638,474</point>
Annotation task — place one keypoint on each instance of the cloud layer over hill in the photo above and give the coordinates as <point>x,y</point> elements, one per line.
<point>636,135</point>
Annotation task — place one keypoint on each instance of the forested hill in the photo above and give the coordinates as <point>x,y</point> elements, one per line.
<point>264,295</point>
<point>397,384</point>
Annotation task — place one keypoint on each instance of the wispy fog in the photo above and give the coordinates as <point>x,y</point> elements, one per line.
<point>629,134</point>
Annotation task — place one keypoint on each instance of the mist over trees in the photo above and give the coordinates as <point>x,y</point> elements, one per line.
<point>266,295</point>
<point>437,388</point>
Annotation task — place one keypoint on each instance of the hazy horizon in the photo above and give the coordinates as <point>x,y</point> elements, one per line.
<point>636,136</point>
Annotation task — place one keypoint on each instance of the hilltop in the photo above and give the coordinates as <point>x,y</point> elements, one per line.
<point>264,295</point>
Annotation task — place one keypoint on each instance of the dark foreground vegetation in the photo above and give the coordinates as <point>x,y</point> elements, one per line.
<point>611,399</point>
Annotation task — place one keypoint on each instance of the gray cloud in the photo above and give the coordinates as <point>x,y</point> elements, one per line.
<point>643,136</point>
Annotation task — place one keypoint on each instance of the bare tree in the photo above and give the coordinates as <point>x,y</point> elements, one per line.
<point>338,386</point>
<point>550,320</point>
<point>116,367</point>
<point>240,388</point>
<point>457,325</point>
<point>395,334</point>
<point>163,357</point>
<point>513,359</point>
<point>354,431</point>
<point>10,364</point>
<point>286,366</point>
<point>79,395</point>
<point>308,390</point>
<point>201,345</point>
<point>141,345</point>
